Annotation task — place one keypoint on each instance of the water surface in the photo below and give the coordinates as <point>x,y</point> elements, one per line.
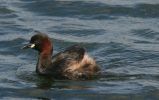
<point>122,35</point>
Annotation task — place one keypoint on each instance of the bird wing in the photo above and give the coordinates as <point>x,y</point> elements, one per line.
<point>71,55</point>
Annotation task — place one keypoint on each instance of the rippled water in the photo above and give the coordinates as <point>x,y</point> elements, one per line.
<point>122,35</point>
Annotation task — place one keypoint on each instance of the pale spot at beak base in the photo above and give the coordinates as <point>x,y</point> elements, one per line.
<point>32,46</point>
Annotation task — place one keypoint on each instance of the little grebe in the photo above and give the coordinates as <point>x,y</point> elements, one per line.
<point>73,63</point>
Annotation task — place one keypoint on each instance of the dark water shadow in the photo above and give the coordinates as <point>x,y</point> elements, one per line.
<point>44,82</point>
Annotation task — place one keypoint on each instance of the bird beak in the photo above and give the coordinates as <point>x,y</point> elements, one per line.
<point>30,45</point>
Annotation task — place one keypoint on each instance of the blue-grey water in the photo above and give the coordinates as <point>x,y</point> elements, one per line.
<point>122,35</point>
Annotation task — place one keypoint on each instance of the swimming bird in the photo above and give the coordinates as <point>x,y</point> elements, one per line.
<point>73,63</point>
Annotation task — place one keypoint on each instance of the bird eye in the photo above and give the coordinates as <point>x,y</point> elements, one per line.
<point>36,42</point>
